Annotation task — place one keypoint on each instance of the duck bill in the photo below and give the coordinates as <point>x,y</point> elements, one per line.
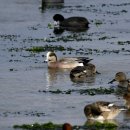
<point>111,81</point>
<point>56,23</point>
<point>45,61</point>
<point>98,72</point>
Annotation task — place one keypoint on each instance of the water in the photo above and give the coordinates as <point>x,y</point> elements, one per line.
<point>23,74</point>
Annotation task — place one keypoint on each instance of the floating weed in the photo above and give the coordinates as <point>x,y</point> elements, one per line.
<point>67,38</point>
<point>22,113</point>
<point>93,91</point>
<point>105,37</point>
<point>124,11</point>
<point>37,49</point>
<point>35,27</point>
<point>81,51</point>
<point>122,4</point>
<point>123,42</point>
<point>5,37</point>
<point>98,22</point>
<point>52,126</point>
<point>15,49</point>
<point>98,125</point>
<point>50,26</point>
<point>37,126</point>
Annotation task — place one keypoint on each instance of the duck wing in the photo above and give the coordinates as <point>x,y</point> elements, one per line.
<point>92,110</point>
<point>74,21</point>
<point>78,72</point>
<point>83,60</point>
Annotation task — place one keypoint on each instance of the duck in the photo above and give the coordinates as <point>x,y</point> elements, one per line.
<point>87,70</point>
<point>126,97</point>
<point>66,126</point>
<point>65,62</point>
<point>71,22</point>
<point>122,80</point>
<point>101,110</point>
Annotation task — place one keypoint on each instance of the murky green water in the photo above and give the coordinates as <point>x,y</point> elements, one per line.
<point>23,74</point>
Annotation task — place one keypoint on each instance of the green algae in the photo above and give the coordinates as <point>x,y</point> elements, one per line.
<point>37,49</point>
<point>92,91</point>
<point>52,126</point>
<point>106,126</point>
<point>37,126</point>
<point>50,26</point>
<point>66,38</point>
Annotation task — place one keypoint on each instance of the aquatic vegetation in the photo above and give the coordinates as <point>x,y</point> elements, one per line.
<point>15,49</point>
<point>37,49</point>
<point>22,113</point>
<point>98,22</point>
<point>37,126</point>
<point>123,42</point>
<point>105,37</point>
<point>51,126</point>
<point>35,27</point>
<point>66,38</point>
<point>9,37</point>
<point>92,91</point>
<point>50,26</point>
<point>106,126</point>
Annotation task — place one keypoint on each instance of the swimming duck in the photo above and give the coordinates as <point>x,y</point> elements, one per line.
<point>83,71</point>
<point>67,126</point>
<point>121,78</point>
<point>126,97</point>
<point>71,22</point>
<point>65,63</point>
<point>101,110</point>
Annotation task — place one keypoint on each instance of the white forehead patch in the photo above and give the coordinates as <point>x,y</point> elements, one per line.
<point>48,55</point>
<point>80,64</point>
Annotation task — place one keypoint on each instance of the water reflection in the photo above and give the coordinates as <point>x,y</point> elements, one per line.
<point>90,79</point>
<point>51,4</point>
<point>60,30</point>
<point>127,114</point>
<point>53,75</point>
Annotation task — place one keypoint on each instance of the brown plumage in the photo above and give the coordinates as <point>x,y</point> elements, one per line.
<point>101,110</point>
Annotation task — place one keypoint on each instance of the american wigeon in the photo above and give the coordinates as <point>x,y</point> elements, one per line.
<point>67,62</point>
<point>74,22</point>
<point>83,71</point>
<point>101,110</point>
<point>121,78</point>
<point>66,126</point>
